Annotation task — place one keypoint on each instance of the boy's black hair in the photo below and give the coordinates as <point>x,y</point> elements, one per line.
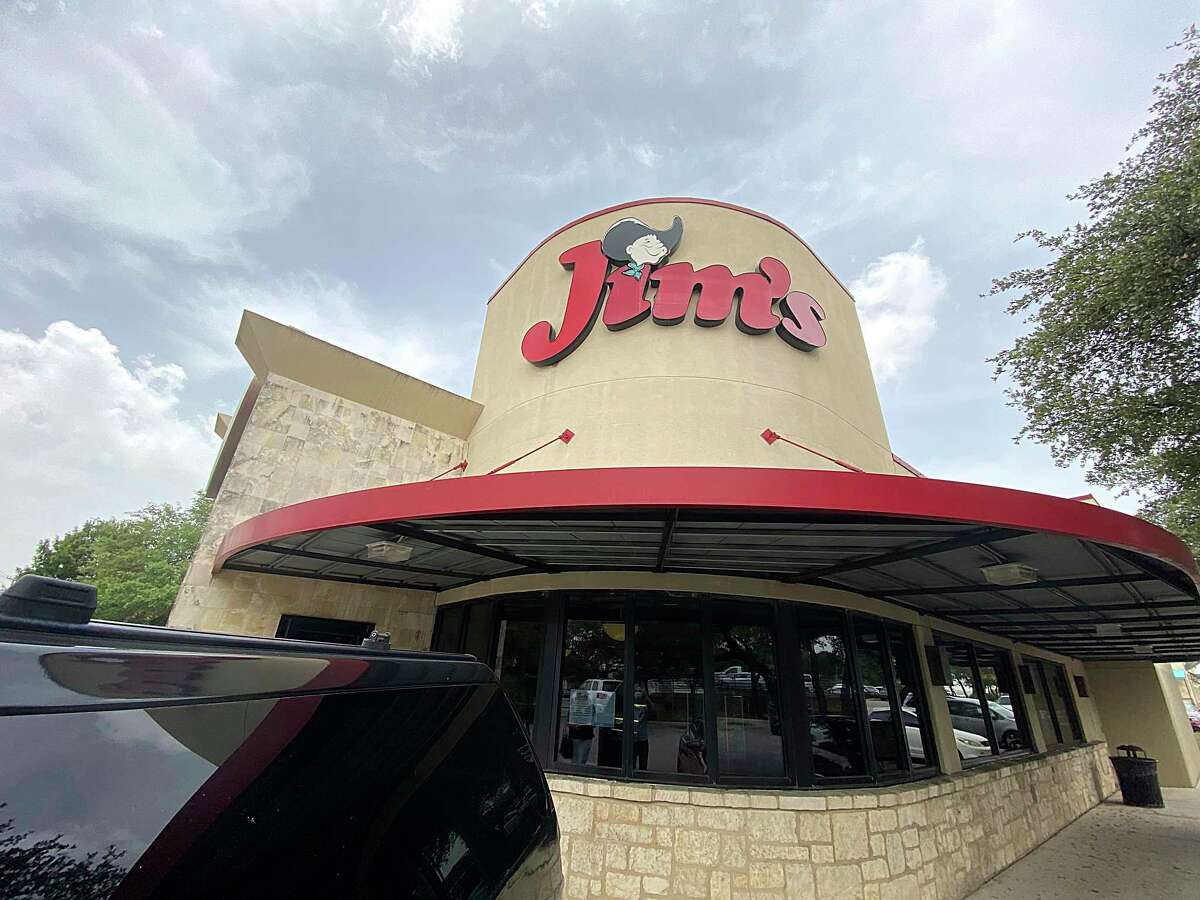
<point>621,234</point>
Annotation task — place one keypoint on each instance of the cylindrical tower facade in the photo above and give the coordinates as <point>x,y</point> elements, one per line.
<point>684,362</point>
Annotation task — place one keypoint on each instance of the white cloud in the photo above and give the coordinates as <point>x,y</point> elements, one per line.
<point>429,28</point>
<point>333,311</point>
<point>646,155</point>
<point>897,298</point>
<point>27,262</point>
<point>84,434</point>
<point>132,135</point>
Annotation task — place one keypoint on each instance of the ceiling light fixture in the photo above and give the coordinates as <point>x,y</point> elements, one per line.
<point>1007,574</point>
<point>388,551</point>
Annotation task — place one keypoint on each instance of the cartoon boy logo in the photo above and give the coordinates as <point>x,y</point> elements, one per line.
<point>634,242</point>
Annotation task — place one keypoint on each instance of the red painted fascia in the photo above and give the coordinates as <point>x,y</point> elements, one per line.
<point>693,487</point>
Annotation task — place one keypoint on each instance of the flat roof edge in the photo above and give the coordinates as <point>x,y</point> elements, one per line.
<point>272,347</point>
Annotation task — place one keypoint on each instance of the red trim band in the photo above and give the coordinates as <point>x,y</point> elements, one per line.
<point>790,490</point>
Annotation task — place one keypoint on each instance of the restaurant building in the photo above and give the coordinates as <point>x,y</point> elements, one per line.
<point>755,650</point>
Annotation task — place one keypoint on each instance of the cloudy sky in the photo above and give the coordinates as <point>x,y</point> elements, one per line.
<point>346,166</point>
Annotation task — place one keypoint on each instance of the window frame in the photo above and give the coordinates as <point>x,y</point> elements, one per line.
<point>786,618</point>
<point>942,639</point>
<point>1049,675</point>
<point>289,622</point>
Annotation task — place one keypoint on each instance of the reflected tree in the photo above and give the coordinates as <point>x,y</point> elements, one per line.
<point>49,868</point>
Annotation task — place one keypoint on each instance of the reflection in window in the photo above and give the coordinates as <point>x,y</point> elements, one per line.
<point>872,669</point>
<point>833,711</point>
<point>590,692</point>
<point>999,688</point>
<point>982,699</point>
<point>448,633</point>
<point>706,699</point>
<point>966,712</point>
<point>749,730</point>
<point>1064,703</point>
<point>519,655</point>
<point>910,697</point>
<point>478,638</point>
<point>668,688</point>
<point>1041,705</point>
<point>1055,706</point>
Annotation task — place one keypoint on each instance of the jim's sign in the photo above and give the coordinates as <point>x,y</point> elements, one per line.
<point>615,276</point>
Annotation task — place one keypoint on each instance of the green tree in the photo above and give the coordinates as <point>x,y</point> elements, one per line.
<point>1109,375</point>
<point>69,556</point>
<point>136,563</point>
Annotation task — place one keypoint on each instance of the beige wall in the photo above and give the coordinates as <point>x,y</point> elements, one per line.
<point>935,839</point>
<point>678,395</point>
<point>1138,704</point>
<point>299,443</point>
<point>741,587</point>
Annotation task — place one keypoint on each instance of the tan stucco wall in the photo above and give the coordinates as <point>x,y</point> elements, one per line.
<point>738,587</point>
<point>299,443</point>
<point>677,395</point>
<point>1138,703</point>
<point>936,839</point>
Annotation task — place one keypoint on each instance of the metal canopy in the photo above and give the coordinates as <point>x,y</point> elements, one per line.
<point>1108,585</point>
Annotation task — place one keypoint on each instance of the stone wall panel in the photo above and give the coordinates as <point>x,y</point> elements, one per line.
<point>298,444</point>
<point>940,838</point>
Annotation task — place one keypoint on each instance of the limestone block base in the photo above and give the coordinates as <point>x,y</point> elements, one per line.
<point>939,838</point>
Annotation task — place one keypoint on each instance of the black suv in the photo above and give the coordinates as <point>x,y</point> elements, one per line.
<point>141,762</point>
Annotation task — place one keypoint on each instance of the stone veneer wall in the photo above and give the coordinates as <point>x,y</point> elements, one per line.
<point>939,838</point>
<point>300,443</point>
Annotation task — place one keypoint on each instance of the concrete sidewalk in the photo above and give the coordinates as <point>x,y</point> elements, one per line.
<point>1113,851</point>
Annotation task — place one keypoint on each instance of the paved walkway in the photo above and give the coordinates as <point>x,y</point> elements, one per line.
<point>1113,851</point>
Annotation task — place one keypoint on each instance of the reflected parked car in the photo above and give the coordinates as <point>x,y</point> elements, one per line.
<point>734,675</point>
<point>969,745</point>
<point>966,715</point>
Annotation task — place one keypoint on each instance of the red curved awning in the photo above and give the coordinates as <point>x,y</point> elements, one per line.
<point>917,541</point>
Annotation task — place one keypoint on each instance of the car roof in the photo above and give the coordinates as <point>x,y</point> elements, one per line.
<point>59,667</point>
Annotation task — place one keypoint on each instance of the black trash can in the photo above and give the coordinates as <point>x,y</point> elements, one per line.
<point>1138,777</point>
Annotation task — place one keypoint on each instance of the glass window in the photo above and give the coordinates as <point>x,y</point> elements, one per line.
<point>915,715</point>
<point>478,641</point>
<point>870,654</point>
<point>132,791</point>
<point>519,645</point>
<point>447,632</point>
<point>592,683</point>
<point>707,693</point>
<point>330,631</point>
<point>982,696</point>
<point>1064,704</point>
<point>1055,705</point>
<point>749,725</point>
<point>1045,713</point>
<point>836,743</point>
<point>668,688</point>
<point>999,689</point>
<point>972,736</point>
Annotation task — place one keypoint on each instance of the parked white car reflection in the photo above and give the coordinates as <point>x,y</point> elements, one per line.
<point>969,745</point>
